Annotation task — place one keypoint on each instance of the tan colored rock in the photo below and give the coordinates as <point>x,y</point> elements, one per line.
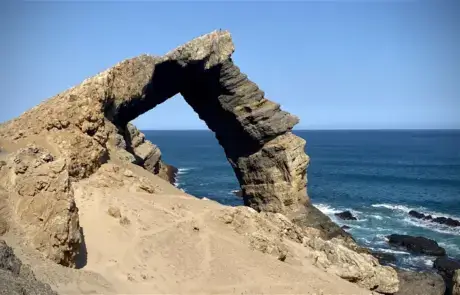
<point>456,283</point>
<point>125,221</point>
<point>89,123</point>
<point>361,268</point>
<point>41,203</point>
<point>114,212</point>
<point>270,233</point>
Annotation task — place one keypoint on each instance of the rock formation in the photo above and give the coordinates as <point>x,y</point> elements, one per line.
<point>441,220</point>
<point>270,233</point>
<point>17,278</point>
<point>418,245</point>
<point>77,139</point>
<point>89,124</point>
<point>92,119</point>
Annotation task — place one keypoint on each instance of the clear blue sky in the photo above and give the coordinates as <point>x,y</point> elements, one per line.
<point>335,64</point>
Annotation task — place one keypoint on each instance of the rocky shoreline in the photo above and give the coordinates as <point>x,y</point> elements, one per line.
<point>441,280</point>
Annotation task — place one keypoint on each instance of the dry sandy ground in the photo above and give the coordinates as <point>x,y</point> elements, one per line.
<point>173,243</point>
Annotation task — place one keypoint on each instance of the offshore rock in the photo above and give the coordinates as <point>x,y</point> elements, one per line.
<point>441,220</point>
<point>345,215</point>
<point>418,245</point>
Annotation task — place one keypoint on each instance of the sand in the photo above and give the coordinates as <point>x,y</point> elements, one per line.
<point>170,242</point>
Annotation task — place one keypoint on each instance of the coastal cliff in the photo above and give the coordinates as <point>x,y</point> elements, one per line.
<point>76,172</point>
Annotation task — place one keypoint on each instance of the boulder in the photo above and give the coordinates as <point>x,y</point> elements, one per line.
<point>447,268</point>
<point>420,283</point>
<point>40,203</point>
<point>17,278</point>
<point>345,215</point>
<point>419,245</point>
<point>345,227</point>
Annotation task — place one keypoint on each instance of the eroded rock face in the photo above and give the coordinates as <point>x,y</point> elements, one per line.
<point>40,202</point>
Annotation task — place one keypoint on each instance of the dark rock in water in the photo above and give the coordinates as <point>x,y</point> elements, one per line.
<point>418,245</point>
<point>446,267</point>
<point>384,258</point>
<point>345,227</point>
<point>446,221</point>
<point>345,215</point>
<point>420,283</point>
<point>418,215</point>
<point>17,278</point>
<point>441,220</point>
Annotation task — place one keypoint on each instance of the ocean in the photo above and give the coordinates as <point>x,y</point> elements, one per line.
<point>378,175</point>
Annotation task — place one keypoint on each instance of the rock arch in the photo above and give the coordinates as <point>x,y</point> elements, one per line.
<point>268,160</point>
<point>89,122</point>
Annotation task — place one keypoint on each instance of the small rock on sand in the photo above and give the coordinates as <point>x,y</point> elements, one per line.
<point>114,212</point>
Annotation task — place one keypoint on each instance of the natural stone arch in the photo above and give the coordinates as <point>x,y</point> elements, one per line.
<point>268,160</point>
<point>89,122</point>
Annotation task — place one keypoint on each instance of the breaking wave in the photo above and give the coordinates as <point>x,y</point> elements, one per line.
<point>326,209</point>
<point>406,209</point>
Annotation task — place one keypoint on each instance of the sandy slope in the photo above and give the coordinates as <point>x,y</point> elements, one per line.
<point>173,243</point>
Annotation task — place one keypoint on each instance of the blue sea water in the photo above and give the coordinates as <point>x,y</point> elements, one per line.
<point>379,175</point>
